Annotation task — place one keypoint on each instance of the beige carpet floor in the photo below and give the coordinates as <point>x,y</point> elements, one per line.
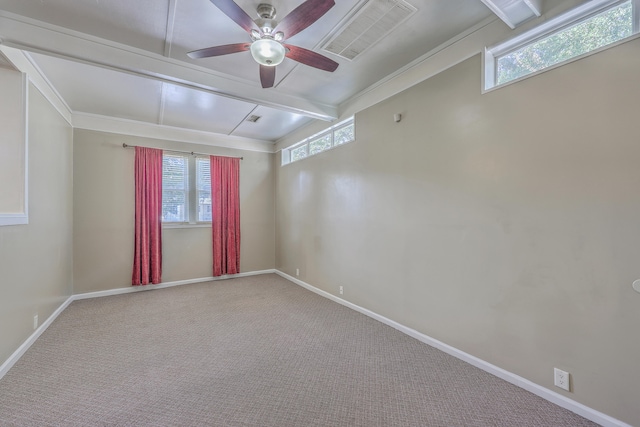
<point>255,351</point>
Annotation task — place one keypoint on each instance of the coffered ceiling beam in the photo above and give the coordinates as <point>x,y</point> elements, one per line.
<point>35,36</point>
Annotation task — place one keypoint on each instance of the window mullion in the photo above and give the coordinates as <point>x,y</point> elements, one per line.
<point>193,193</point>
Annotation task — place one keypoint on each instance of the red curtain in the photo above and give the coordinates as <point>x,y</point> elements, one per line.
<point>225,224</point>
<point>147,257</point>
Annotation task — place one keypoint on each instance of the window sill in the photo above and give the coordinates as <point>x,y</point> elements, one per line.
<point>186,225</point>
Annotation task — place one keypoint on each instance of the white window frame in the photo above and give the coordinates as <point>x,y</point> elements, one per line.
<point>14,106</point>
<point>286,153</point>
<point>192,196</point>
<point>554,25</point>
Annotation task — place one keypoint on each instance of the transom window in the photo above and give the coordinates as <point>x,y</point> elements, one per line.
<point>186,189</point>
<point>340,134</point>
<point>592,26</point>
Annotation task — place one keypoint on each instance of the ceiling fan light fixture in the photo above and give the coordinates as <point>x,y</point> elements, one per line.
<point>268,52</point>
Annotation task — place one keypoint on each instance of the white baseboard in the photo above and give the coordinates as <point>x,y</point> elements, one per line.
<point>8,364</point>
<point>545,393</point>
<point>143,288</point>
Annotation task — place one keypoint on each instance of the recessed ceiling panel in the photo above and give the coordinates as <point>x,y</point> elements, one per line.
<point>139,23</point>
<point>271,124</point>
<point>199,110</point>
<point>102,91</point>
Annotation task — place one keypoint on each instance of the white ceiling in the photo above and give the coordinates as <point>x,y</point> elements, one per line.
<point>127,59</point>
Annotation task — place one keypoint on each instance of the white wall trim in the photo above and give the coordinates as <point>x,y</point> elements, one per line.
<point>14,219</point>
<point>21,217</point>
<point>8,364</point>
<point>132,289</point>
<point>168,133</point>
<point>23,62</point>
<point>551,396</point>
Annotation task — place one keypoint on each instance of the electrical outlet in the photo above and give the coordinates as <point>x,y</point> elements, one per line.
<point>341,290</point>
<point>35,322</point>
<point>297,271</point>
<point>561,379</point>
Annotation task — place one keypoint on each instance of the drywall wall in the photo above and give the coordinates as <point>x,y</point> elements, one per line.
<point>505,224</point>
<point>104,214</point>
<point>36,258</point>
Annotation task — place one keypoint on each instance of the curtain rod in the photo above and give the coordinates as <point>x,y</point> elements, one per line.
<point>125,145</point>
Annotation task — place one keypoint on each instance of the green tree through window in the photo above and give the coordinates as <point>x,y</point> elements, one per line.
<point>591,34</point>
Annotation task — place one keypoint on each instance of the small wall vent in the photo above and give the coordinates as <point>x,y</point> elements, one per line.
<point>253,118</point>
<point>372,22</point>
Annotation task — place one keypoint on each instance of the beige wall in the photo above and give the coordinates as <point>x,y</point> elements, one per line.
<point>36,259</point>
<point>104,214</point>
<point>506,224</point>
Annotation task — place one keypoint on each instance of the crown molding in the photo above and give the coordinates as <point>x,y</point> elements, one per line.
<point>23,62</point>
<point>170,133</point>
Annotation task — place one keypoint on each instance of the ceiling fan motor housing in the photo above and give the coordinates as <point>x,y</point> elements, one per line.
<point>266,21</point>
<point>266,11</point>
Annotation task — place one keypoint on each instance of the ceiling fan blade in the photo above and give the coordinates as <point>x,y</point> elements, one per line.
<point>267,76</point>
<point>303,16</point>
<point>310,58</point>
<point>219,50</point>
<point>235,12</point>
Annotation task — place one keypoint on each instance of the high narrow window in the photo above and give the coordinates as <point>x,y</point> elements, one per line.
<point>339,134</point>
<point>594,25</point>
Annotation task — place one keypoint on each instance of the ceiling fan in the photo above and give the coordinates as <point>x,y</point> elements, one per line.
<point>267,46</point>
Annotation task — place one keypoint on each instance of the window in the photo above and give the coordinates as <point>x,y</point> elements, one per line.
<point>299,153</point>
<point>583,30</point>
<point>339,134</point>
<point>203,187</point>
<point>186,189</point>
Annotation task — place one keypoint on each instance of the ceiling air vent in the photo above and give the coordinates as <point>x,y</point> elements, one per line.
<point>371,23</point>
<point>253,118</point>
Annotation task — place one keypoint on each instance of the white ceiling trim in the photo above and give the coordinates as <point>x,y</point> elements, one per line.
<point>149,130</point>
<point>465,45</point>
<point>472,42</point>
<point>449,53</point>
<point>515,12</point>
<point>171,19</point>
<point>489,32</point>
<point>32,35</point>
<point>435,61</point>
<point>25,64</point>
<point>163,103</point>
